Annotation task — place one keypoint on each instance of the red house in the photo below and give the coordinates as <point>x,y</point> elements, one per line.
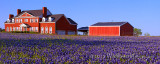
<point>111,29</point>
<point>42,21</point>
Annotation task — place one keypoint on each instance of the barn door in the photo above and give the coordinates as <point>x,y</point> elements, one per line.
<point>71,32</point>
<point>61,32</point>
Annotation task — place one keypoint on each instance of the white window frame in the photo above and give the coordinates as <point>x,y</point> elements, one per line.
<point>50,30</point>
<point>36,29</point>
<point>46,29</point>
<point>26,20</point>
<point>16,28</point>
<point>16,20</point>
<point>10,28</point>
<point>36,20</point>
<point>30,29</point>
<point>13,20</point>
<point>8,20</point>
<point>31,20</point>
<point>50,19</point>
<point>20,28</point>
<point>42,30</point>
<point>13,28</point>
<point>20,20</point>
<point>43,19</point>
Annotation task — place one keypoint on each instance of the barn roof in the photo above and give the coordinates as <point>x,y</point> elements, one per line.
<point>83,28</point>
<point>71,21</point>
<point>109,24</point>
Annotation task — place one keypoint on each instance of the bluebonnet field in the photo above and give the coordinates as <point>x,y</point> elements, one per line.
<point>37,48</point>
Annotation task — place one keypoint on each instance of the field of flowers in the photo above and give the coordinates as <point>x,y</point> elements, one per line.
<point>53,49</point>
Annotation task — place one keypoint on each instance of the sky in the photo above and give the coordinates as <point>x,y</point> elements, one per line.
<point>142,14</point>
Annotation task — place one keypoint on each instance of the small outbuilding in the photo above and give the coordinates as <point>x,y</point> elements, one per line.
<point>111,29</point>
<point>84,30</point>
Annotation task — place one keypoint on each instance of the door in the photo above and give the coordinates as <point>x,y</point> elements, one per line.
<point>61,32</point>
<point>71,32</point>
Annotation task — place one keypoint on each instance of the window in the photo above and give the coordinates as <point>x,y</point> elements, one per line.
<point>36,29</point>
<point>46,30</point>
<point>26,20</point>
<point>7,29</point>
<point>13,28</point>
<point>50,30</point>
<point>20,28</point>
<point>43,19</point>
<point>13,20</point>
<point>16,28</point>
<point>30,29</point>
<point>10,28</point>
<point>36,20</point>
<point>42,30</point>
<point>20,20</point>
<point>50,19</point>
<point>8,20</point>
<point>16,20</point>
<point>31,20</point>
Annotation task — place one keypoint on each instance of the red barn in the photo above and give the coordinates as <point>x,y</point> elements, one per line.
<point>111,29</point>
<point>42,21</point>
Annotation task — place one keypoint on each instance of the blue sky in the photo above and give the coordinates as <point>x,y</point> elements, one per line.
<point>143,14</point>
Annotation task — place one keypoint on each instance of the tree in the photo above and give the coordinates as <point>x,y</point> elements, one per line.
<point>137,32</point>
<point>146,34</point>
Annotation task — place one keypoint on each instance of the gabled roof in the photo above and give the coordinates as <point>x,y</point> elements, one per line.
<point>109,24</point>
<point>32,12</point>
<point>55,16</point>
<point>83,28</point>
<point>71,21</point>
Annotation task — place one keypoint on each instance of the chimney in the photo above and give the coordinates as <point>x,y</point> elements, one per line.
<point>44,11</point>
<point>11,16</point>
<point>18,11</point>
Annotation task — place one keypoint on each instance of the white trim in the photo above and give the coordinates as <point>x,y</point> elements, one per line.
<point>13,28</point>
<point>43,19</point>
<point>7,29</point>
<point>46,22</point>
<point>27,13</point>
<point>26,17</point>
<point>26,20</point>
<point>50,29</point>
<point>42,30</point>
<point>9,23</point>
<point>46,29</point>
<point>104,26</point>
<point>23,25</point>
<point>10,28</point>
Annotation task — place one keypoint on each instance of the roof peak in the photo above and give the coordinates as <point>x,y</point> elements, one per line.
<point>110,22</point>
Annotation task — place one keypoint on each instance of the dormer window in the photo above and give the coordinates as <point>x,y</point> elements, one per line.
<point>8,20</point>
<point>50,19</point>
<point>13,20</point>
<point>43,19</point>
